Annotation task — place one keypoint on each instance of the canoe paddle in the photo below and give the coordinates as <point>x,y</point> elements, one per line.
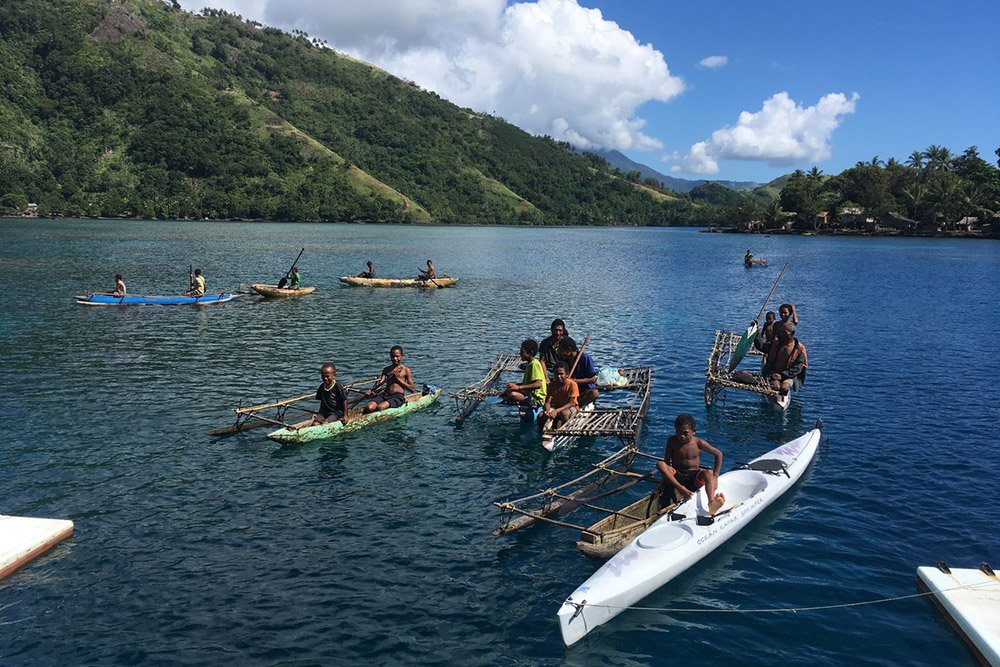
<point>284,281</point>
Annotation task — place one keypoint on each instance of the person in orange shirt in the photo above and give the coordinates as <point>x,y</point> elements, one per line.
<point>561,399</point>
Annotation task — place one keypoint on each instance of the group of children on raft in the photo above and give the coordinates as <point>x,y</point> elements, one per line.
<point>574,387</point>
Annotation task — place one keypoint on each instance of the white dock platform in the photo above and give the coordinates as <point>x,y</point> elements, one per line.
<point>23,539</point>
<point>970,600</point>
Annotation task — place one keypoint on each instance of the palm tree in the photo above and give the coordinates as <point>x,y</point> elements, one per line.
<point>815,174</point>
<point>939,158</point>
<point>916,160</point>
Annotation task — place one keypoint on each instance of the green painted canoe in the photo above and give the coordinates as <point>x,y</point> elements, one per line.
<point>302,432</point>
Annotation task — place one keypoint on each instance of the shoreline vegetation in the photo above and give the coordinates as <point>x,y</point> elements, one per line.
<point>138,109</point>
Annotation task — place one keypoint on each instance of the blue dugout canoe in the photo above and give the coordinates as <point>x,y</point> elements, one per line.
<point>136,300</point>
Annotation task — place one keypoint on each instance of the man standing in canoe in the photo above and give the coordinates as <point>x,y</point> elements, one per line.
<point>548,349</point>
<point>331,396</point>
<point>197,283</point>
<point>370,273</point>
<point>395,381</point>
<point>681,465</point>
<point>585,373</point>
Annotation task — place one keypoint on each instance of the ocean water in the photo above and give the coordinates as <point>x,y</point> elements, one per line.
<point>376,548</point>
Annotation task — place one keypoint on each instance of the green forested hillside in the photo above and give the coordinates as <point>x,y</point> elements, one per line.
<point>135,108</point>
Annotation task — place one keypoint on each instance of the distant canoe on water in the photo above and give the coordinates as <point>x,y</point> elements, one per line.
<point>130,300</point>
<point>398,282</point>
<point>275,292</point>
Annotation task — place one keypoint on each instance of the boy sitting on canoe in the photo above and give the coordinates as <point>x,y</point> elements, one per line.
<point>560,398</point>
<point>370,273</point>
<point>531,392</point>
<point>119,286</point>
<point>395,381</point>
<point>331,396</point>
<point>428,273</point>
<point>585,372</point>
<point>681,463</point>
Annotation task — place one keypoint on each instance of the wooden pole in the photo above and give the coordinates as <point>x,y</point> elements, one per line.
<point>769,294</point>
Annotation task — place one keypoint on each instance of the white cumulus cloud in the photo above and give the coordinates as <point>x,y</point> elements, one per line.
<point>781,134</point>
<point>714,62</point>
<point>548,66</point>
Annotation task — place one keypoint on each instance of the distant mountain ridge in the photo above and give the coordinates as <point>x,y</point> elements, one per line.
<point>623,162</point>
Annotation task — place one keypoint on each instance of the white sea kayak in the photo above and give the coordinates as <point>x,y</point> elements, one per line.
<point>679,540</point>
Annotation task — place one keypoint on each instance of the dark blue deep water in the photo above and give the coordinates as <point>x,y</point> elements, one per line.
<point>376,548</point>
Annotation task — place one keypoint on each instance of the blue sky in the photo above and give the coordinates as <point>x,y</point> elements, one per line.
<point>718,89</point>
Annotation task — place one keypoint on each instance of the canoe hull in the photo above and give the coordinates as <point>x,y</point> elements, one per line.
<point>130,300</point>
<point>295,436</point>
<point>668,548</point>
<point>398,282</point>
<point>275,292</point>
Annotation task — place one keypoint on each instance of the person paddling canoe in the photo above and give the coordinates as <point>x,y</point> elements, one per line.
<point>428,273</point>
<point>197,284</point>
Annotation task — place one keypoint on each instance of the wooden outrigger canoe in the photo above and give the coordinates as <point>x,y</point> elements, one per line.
<point>430,283</point>
<point>608,536</point>
<point>253,416</point>
<point>107,299</point>
<point>720,376</point>
<point>302,432</point>
<point>621,421</point>
<point>275,292</point>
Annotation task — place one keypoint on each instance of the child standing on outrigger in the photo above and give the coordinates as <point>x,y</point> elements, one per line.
<point>681,464</point>
<point>395,381</point>
<point>531,392</point>
<point>331,396</point>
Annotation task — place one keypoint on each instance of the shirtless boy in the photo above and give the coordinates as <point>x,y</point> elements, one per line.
<point>370,273</point>
<point>560,398</point>
<point>331,396</point>
<point>428,273</point>
<point>680,464</point>
<point>395,381</point>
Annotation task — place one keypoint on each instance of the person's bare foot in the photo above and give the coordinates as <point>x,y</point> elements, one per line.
<point>716,503</point>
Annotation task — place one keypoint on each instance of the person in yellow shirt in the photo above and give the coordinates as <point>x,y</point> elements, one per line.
<point>530,393</point>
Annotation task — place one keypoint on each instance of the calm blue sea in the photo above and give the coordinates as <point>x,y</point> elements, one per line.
<point>376,548</point>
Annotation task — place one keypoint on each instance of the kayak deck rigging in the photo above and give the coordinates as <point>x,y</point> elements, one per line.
<point>720,376</point>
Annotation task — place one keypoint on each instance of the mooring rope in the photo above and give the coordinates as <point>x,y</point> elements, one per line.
<point>863,603</point>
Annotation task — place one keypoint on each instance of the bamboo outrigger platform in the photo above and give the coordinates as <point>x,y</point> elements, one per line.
<point>622,421</point>
<point>468,398</point>
<point>602,539</point>
<point>720,376</point>
<point>252,417</point>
